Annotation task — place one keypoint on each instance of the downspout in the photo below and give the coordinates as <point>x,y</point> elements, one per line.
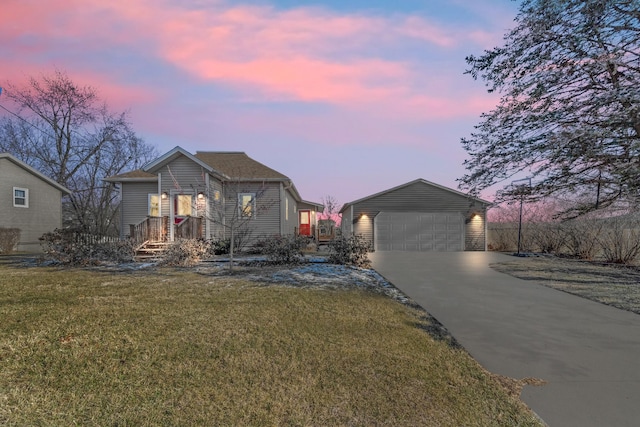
<point>122,226</point>
<point>160,194</point>
<point>282,197</point>
<point>207,208</point>
<point>486,230</point>
<point>351,222</point>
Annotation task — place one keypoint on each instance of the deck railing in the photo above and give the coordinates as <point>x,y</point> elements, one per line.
<point>152,228</point>
<point>189,228</point>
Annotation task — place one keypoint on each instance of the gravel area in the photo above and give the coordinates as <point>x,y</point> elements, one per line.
<point>614,285</point>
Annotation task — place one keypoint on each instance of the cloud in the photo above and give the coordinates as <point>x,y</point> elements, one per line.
<point>304,54</point>
<point>384,71</point>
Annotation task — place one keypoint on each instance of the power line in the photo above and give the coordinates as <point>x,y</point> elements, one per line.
<point>25,120</point>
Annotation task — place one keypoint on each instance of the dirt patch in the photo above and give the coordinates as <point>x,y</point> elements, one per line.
<point>614,285</point>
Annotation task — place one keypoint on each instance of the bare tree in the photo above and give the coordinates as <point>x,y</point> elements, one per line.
<point>331,208</point>
<point>68,133</point>
<point>569,112</point>
<point>238,207</point>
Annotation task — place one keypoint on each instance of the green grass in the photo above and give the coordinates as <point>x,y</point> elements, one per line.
<point>177,348</point>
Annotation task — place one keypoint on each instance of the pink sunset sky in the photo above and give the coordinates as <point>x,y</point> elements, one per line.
<point>347,98</point>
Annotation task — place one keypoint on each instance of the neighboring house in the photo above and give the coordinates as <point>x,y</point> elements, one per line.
<point>418,216</point>
<point>209,194</point>
<point>29,201</point>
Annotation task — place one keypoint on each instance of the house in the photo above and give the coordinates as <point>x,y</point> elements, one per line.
<point>418,216</point>
<point>29,201</point>
<point>211,195</point>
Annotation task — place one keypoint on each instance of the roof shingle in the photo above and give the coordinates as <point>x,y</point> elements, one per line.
<point>237,165</point>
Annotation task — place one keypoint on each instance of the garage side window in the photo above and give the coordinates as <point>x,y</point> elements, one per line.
<point>20,197</point>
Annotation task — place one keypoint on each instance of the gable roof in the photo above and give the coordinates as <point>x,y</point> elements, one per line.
<point>419,180</point>
<point>227,165</point>
<point>32,171</point>
<point>173,154</point>
<point>237,165</point>
<point>232,165</point>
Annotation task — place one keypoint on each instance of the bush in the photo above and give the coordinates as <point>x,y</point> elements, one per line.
<point>284,249</point>
<point>186,253</point>
<point>620,240</point>
<point>547,237</point>
<point>351,250</point>
<point>74,247</point>
<point>581,237</point>
<point>9,238</point>
<point>219,247</point>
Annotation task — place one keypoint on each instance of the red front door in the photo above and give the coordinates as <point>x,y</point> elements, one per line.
<point>305,223</point>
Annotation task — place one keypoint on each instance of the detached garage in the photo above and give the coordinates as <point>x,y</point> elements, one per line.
<point>418,216</point>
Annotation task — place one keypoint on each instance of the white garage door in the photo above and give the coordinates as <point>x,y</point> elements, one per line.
<point>417,231</point>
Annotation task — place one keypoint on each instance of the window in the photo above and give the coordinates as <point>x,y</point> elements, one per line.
<point>286,208</point>
<point>183,204</point>
<point>246,205</point>
<point>20,197</point>
<point>154,205</point>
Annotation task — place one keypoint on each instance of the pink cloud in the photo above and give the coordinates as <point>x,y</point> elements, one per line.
<point>264,54</point>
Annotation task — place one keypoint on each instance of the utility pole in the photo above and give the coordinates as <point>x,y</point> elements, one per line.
<point>528,180</point>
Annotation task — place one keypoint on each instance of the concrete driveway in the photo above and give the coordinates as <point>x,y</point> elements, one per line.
<point>588,353</point>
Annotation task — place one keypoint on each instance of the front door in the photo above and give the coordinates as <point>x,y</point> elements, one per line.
<point>305,223</point>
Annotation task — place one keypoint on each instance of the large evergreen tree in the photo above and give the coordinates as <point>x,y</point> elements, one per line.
<point>569,114</point>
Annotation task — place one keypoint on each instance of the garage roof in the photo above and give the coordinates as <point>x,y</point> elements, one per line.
<point>419,180</point>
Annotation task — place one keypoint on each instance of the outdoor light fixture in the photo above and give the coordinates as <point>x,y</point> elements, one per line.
<point>164,195</point>
<point>201,195</point>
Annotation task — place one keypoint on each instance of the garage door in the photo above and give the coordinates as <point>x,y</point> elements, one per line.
<point>417,231</point>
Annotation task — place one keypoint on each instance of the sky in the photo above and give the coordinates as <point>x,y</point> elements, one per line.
<point>346,98</point>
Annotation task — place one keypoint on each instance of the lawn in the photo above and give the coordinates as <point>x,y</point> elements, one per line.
<point>174,347</point>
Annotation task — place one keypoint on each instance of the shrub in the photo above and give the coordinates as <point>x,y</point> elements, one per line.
<point>118,251</point>
<point>62,246</point>
<point>350,250</point>
<point>9,238</point>
<point>284,249</point>
<point>620,240</point>
<point>74,247</point>
<point>581,237</point>
<point>219,247</point>
<point>547,237</point>
<point>186,253</point>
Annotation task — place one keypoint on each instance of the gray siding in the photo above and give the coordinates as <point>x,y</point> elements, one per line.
<point>416,197</point>
<point>134,203</point>
<point>215,225</point>
<point>475,232</point>
<point>183,176</point>
<point>289,213</point>
<point>44,213</point>
<point>266,221</point>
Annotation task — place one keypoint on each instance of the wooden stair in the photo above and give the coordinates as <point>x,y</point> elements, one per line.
<point>150,251</point>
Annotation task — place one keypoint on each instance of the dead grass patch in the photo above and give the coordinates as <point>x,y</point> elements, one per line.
<point>615,285</point>
<point>169,347</point>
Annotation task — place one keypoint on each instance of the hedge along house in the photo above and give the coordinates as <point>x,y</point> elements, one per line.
<point>29,201</point>
<point>211,195</point>
<point>418,216</point>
